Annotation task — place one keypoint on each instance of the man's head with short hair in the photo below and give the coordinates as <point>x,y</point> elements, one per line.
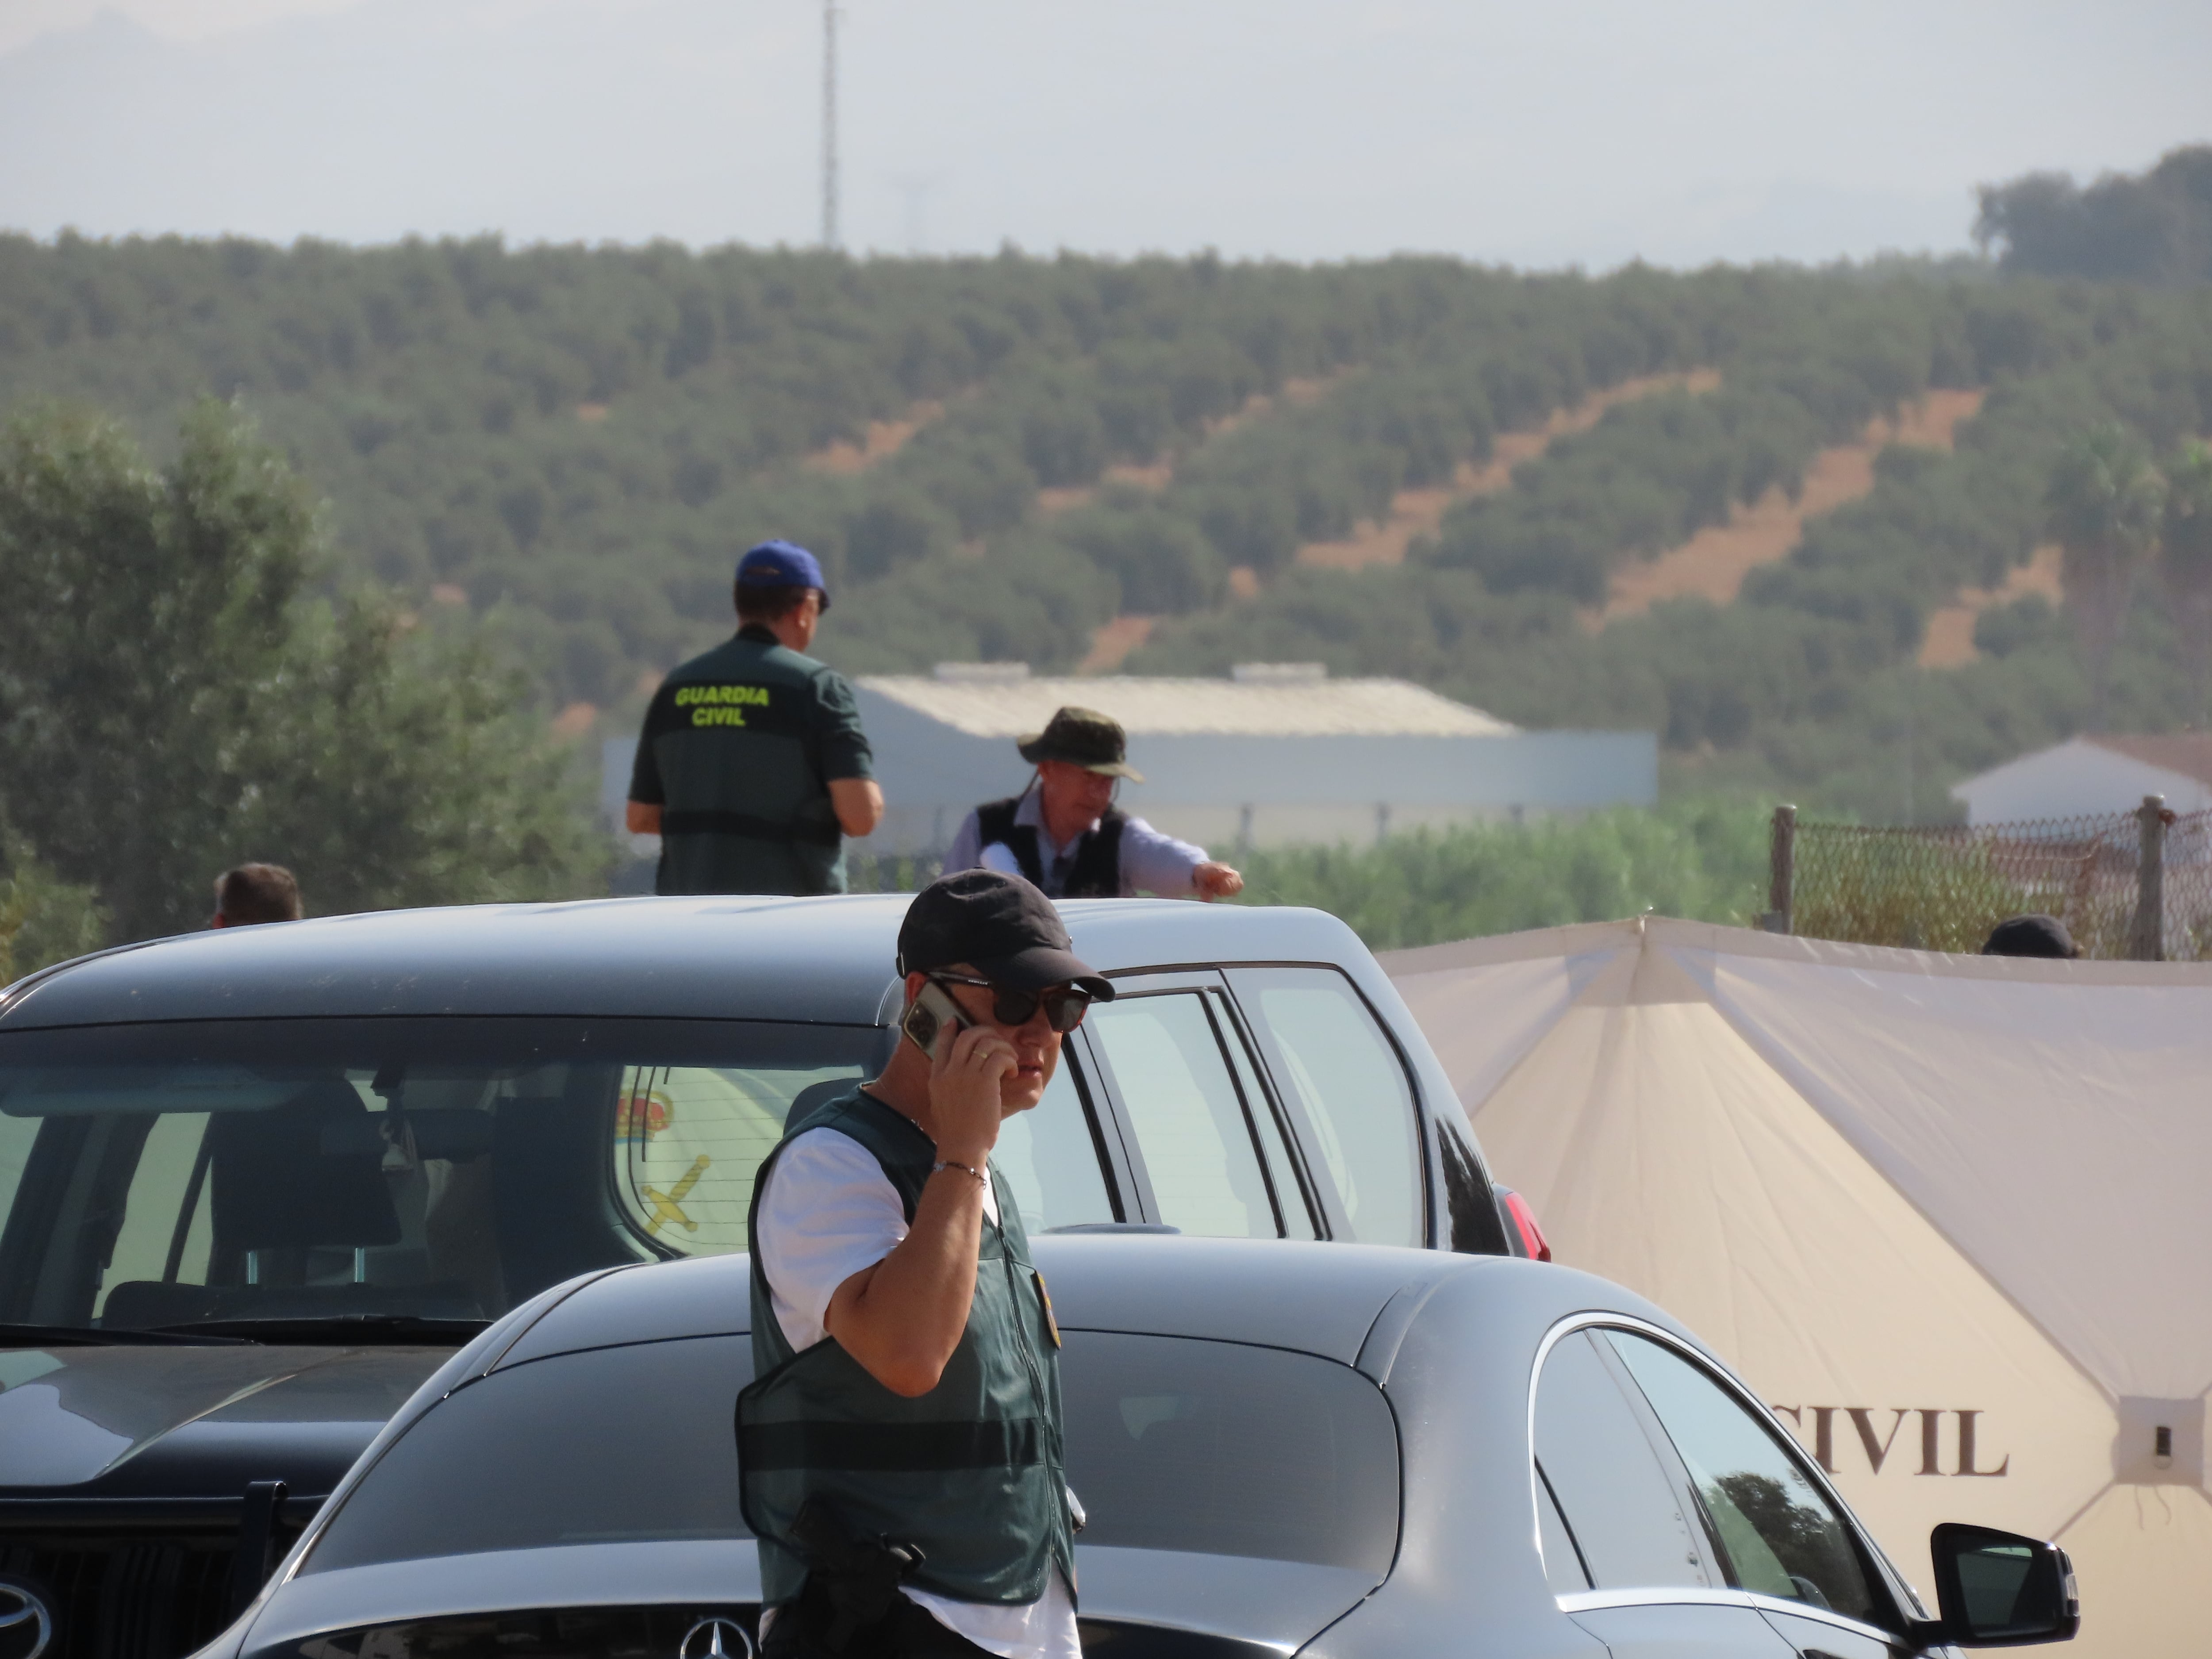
<point>2031,936</point>
<point>770,605</point>
<point>255,893</point>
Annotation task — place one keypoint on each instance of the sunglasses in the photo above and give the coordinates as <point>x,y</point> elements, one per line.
<point>1064,1005</point>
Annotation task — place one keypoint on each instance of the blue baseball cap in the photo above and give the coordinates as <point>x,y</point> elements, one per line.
<point>782,564</point>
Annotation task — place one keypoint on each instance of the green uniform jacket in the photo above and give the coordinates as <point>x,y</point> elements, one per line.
<point>972,1471</point>
<point>739,749</point>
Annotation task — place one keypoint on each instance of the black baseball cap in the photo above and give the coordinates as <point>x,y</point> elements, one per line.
<point>2031,936</point>
<point>1000,926</point>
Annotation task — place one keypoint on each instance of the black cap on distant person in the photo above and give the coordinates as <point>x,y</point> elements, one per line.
<point>1001,926</point>
<point>2031,936</point>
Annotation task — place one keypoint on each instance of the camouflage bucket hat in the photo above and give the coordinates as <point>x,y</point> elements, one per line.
<point>1084,738</point>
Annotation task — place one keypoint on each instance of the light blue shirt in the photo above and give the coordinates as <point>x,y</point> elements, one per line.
<point>1151,862</point>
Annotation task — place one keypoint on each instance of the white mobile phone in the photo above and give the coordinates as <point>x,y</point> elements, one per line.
<point>933,1014</point>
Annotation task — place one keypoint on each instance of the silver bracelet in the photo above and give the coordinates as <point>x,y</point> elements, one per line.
<point>982,1180</point>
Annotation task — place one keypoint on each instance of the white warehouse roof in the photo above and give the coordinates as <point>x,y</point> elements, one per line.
<point>2092,776</point>
<point>1289,707</point>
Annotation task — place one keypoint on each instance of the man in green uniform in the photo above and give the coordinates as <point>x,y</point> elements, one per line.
<point>899,1452</point>
<point>752,766</point>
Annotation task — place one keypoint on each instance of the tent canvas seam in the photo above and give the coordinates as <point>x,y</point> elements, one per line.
<point>1816,1097</point>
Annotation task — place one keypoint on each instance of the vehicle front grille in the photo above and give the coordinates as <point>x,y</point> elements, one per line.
<point>127,1597</point>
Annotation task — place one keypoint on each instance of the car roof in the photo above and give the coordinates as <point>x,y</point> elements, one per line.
<point>825,959</point>
<point>1319,1298</point>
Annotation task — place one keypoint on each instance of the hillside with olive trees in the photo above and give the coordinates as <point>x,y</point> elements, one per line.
<point>1834,531</point>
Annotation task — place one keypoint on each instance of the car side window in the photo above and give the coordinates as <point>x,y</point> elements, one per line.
<point>1781,1536</point>
<point>1188,1117</point>
<point>1627,1518</point>
<point>689,1141</point>
<point>1343,1077</point>
<point>1289,1197</point>
<point>1049,1158</point>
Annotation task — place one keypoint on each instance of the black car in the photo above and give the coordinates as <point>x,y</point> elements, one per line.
<point>1349,1453</point>
<point>258,1183</point>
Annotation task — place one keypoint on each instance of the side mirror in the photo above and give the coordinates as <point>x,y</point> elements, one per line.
<point>1998,1589</point>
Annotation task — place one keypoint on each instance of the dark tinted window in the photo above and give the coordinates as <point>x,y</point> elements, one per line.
<point>1630,1519</point>
<point>237,1169</point>
<point>1781,1536</point>
<point>1226,1449</point>
<point>1172,1444</point>
<point>617,1445</point>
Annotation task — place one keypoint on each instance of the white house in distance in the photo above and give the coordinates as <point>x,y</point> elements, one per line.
<point>1276,754</point>
<point>2092,775</point>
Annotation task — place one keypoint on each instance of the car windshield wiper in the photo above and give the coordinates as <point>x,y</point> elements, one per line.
<point>88,1336</point>
<point>339,1330</point>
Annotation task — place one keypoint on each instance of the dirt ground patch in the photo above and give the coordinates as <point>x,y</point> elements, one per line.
<point>1949,642</point>
<point>883,439</point>
<point>576,720</point>
<point>1059,498</point>
<point>1418,511</point>
<point>1157,475</point>
<point>1713,563</point>
<point>1112,642</point>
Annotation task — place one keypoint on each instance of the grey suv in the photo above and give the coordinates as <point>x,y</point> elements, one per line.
<point>258,1183</point>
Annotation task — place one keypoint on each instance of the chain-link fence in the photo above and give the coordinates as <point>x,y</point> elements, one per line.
<point>2136,884</point>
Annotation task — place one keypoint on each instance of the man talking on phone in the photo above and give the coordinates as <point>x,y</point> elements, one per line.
<point>899,1451</point>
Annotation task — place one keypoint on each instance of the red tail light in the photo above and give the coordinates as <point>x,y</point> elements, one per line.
<point>1531,1236</point>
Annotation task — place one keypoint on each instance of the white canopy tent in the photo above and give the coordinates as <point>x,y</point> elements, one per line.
<point>1949,1213</point>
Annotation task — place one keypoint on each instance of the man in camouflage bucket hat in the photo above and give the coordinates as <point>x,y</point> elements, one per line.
<point>1064,834</point>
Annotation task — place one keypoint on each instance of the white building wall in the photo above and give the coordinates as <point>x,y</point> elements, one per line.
<point>1228,792</point>
<point>2076,778</point>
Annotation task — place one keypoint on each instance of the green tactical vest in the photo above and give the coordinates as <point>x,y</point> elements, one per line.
<point>738,741</point>
<point>972,1471</point>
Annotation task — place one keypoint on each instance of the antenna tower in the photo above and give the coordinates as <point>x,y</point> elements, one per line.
<point>830,123</point>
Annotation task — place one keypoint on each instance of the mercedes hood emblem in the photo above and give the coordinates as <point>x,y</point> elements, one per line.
<point>715,1638</point>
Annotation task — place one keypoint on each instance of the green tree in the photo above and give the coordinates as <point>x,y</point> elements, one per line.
<point>42,920</point>
<point>171,704</point>
<point>2101,507</point>
<point>2185,565</point>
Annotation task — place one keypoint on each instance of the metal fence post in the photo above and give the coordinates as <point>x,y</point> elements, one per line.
<point>2146,938</point>
<point>1782,871</point>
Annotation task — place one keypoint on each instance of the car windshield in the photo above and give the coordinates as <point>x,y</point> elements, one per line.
<point>1214,1447</point>
<point>236,1174</point>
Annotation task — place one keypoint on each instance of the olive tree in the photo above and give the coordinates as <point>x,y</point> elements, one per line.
<point>174,698</point>
<point>2102,507</point>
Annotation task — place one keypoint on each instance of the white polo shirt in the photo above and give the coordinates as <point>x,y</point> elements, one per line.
<point>828,1213</point>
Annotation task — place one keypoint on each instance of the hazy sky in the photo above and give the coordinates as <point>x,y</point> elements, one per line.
<point>1544,133</point>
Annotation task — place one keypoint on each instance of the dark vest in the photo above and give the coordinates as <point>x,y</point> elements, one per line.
<point>736,739</point>
<point>972,1471</point>
<point>1096,872</point>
